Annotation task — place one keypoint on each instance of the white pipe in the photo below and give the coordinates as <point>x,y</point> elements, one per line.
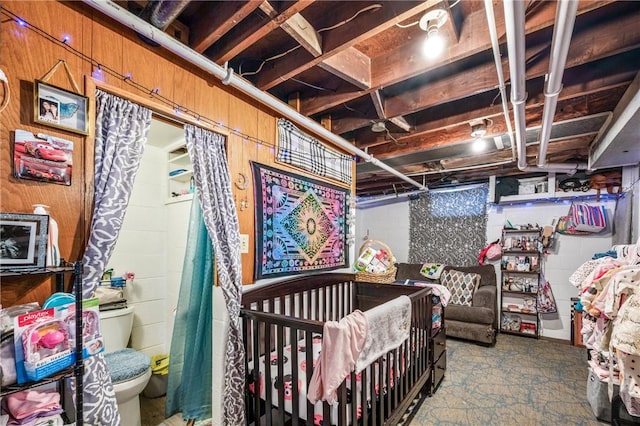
<point>514,11</point>
<point>514,16</point>
<point>491,21</point>
<point>365,202</point>
<point>227,76</point>
<point>562,31</point>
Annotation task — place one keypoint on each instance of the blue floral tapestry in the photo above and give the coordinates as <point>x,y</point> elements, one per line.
<point>300,224</point>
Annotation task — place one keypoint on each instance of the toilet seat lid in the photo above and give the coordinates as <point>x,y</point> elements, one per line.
<point>126,364</point>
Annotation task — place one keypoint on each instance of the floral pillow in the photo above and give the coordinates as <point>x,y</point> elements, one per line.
<point>462,285</point>
<point>432,270</point>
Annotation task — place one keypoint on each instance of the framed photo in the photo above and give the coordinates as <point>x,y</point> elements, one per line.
<point>23,241</point>
<point>60,108</point>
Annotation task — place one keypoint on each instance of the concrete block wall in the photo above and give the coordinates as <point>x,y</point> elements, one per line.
<point>141,248</point>
<point>390,224</point>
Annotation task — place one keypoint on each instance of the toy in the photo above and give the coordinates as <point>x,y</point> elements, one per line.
<point>45,339</point>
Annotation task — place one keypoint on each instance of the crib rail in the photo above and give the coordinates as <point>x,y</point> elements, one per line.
<point>276,321</point>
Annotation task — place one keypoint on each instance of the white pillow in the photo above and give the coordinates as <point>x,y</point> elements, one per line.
<point>432,270</point>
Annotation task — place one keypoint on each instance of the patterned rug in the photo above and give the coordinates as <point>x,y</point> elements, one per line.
<point>301,225</point>
<point>521,381</point>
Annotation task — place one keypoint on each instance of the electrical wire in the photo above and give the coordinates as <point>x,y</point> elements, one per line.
<point>346,21</point>
<point>279,55</point>
<point>408,25</point>
<point>311,85</point>
<point>130,81</point>
<point>339,24</point>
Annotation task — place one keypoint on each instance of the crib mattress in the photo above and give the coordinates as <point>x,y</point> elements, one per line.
<point>284,383</point>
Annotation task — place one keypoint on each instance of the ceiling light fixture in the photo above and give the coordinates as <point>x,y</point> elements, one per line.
<point>431,22</point>
<point>479,145</point>
<point>378,127</point>
<point>479,128</point>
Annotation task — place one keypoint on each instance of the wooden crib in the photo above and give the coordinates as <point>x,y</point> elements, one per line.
<point>282,320</point>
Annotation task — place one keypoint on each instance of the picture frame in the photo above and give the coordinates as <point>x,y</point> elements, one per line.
<point>23,241</point>
<point>60,108</point>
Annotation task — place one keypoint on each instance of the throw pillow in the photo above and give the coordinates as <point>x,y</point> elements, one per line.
<point>432,270</point>
<point>462,285</point>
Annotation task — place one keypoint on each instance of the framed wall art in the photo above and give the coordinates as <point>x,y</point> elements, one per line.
<point>60,108</point>
<point>23,241</point>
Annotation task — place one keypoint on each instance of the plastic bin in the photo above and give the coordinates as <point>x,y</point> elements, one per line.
<point>157,385</point>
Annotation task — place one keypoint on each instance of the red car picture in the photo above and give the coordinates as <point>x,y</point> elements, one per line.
<point>44,150</point>
<point>41,173</point>
<point>42,157</point>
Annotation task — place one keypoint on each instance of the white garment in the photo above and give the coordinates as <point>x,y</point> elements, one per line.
<point>389,326</point>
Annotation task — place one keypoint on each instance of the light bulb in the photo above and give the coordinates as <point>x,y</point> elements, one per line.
<point>433,44</point>
<point>479,145</point>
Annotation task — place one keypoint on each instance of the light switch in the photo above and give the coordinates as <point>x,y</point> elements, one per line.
<point>244,243</point>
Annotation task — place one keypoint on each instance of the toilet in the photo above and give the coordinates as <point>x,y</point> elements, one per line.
<point>130,370</point>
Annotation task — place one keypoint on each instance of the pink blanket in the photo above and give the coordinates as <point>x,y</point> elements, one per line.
<point>342,342</point>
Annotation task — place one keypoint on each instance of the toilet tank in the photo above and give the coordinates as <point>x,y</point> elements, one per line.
<point>115,326</point>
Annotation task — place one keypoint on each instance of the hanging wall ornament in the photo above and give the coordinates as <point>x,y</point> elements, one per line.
<point>241,181</point>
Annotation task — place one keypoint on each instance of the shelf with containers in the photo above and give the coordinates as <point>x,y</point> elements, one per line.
<point>26,279</point>
<point>179,174</point>
<point>520,281</point>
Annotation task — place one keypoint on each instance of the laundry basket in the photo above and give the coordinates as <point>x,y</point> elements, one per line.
<point>370,250</point>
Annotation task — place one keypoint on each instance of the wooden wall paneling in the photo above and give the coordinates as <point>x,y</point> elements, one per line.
<point>22,70</point>
<point>148,69</point>
<point>210,100</point>
<point>19,195</point>
<point>106,48</point>
<point>243,117</point>
<point>184,89</point>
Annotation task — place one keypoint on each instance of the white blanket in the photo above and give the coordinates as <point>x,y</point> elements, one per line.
<point>388,327</point>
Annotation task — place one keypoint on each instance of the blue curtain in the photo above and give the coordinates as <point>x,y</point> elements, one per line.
<point>189,384</point>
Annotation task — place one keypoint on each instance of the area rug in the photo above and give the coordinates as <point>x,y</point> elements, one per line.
<point>300,224</point>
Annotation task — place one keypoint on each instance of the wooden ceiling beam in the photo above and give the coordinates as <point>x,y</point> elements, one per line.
<point>378,104</point>
<point>303,32</point>
<point>595,83</point>
<point>567,109</point>
<point>585,47</point>
<point>341,38</point>
<point>351,65</point>
<point>558,146</point>
<point>217,21</point>
<point>385,71</point>
<point>242,40</point>
<point>401,122</point>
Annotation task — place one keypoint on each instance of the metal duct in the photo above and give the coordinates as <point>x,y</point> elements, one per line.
<point>562,31</point>
<point>163,12</point>
<point>228,77</point>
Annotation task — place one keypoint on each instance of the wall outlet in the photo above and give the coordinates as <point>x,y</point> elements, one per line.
<point>244,243</point>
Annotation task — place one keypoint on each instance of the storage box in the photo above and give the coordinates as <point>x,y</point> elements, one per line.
<point>598,396</point>
<point>530,185</point>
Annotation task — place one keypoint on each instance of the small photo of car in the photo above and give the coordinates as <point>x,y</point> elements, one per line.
<point>32,170</point>
<point>42,157</point>
<point>44,150</point>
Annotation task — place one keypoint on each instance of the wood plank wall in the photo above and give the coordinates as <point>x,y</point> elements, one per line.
<point>26,55</point>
